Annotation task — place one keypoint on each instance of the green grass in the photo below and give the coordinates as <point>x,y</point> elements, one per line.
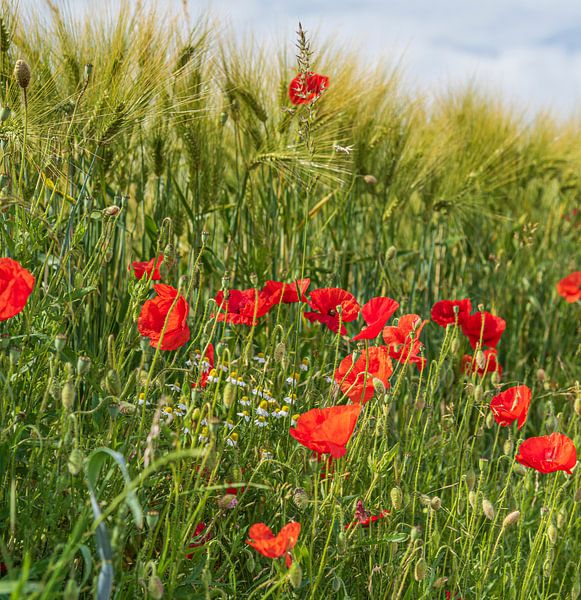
<point>190,133</point>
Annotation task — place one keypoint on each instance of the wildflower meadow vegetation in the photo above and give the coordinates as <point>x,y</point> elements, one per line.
<point>272,326</point>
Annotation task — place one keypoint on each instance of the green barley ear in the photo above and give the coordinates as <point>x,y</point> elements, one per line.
<point>4,36</point>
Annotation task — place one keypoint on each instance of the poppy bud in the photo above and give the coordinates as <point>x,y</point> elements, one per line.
<point>480,359</point>
<point>126,408</point>
<point>561,518</point>
<point>472,497</point>
<point>511,519</point>
<point>370,179</point>
<point>415,534</point>
<point>396,496</point>
<point>455,345</point>
<point>113,383</point>
<point>5,114</point>
<point>75,461</point>
<point>68,395</point>
<point>155,587</point>
<point>342,542</point>
<point>548,566</point>
<point>295,575</point>
<point>71,590</point>
<point>390,254</point>
<point>439,582</point>
<point>111,211</point>
<point>490,420</point>
<point>507,447</point>
<point>378,387</point>
<point>279,352</point>
<point>495,378</point>
<point>425,500</point>
<point>470,479</point>
<point>229,395</point>
<point>228,501</point>
<point>541,375</point>
<point>300,498</point>
<point>577,406</point>
<point>22,73</point>
<point>169,255</point>
<point>60,341</point>
<point>488,509</point>
<point>552,534</point>
<point>519,469</point>
<point>478,392</point>
<point>88,72</point>
<point>436,503</point>
<point>420,569</point>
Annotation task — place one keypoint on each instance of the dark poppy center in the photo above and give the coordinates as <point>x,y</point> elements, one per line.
<point>332,313</point>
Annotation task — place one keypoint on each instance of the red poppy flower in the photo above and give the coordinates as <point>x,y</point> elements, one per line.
<point>274,546</point>
<point>570,287</point>
<point>548,453</point>
<point>287,293</point>
<point>327,430</point>
<point>449,596</point>
<point>16,285</point>
<point>510,405</point>
<point>303,89</point>
<point>376,313</point>
<point>483,327</point>
<point>443,311</point>
<point>199,538</point>
<point>356,378</point>
<point>154,315</point>
<point>145,268</point>
<point>324,301</point>
<point>403,340</point>
<point>488,364</point>
<point>206,365</point>
<point>242,307</point>
<point>363,518</point>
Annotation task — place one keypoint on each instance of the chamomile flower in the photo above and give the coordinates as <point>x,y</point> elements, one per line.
<point>232,439</point>
<point>282,412</point>
<point>265,454</point>
<point>294,420</point>
<point>244,415</point>
<point>260,358</point>
<point>260,422</point>
<point>240,382</point>
<point>262,409</point>
<point>245,401</point>
<point>293,379</point>
<point>213,376</point>
<point>203,437</point>
<point>304,366</point>
<point>290,399</point>
<point>173,387</point>
<point>141,400</point>
<point>229,424</point>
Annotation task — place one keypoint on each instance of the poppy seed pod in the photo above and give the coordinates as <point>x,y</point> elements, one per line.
<point>488,509</point>
<point>60,341</point>
<point>22,73</point>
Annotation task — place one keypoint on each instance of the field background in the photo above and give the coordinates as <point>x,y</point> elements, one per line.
<point>192,136</point>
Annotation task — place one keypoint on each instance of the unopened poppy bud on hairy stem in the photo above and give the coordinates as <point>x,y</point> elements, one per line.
<point>420,569</point>
<point>295,575</point>
<point>396,496</point>
<point>488,509</point>
<point>470,479</point>
<point>552,534</point>
<point>436,503</point>
<point>22,73</point>
<point>511,519</point>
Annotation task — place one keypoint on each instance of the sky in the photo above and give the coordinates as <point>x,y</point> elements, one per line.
<point>526,51</point>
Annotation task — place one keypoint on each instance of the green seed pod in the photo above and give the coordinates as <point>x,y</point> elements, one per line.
<point>68,395</point>
<point>455,345</point>
<point>151,518</point>
<point>396,496</point>
<point>279,352</point>
<point>561,518</point>
<point>488,509</point>
<point>60,342</point>
<point>83,365</point>
<point>436,503</point>
<point>251,563</point>
<point>495,378</point>
<point>577,406</point>
<point>478,392</point>
<point>295,575</point>
<point>390,254</point>
<point>420,569</point>
<point>75,461</point>
<point>470,479</point>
